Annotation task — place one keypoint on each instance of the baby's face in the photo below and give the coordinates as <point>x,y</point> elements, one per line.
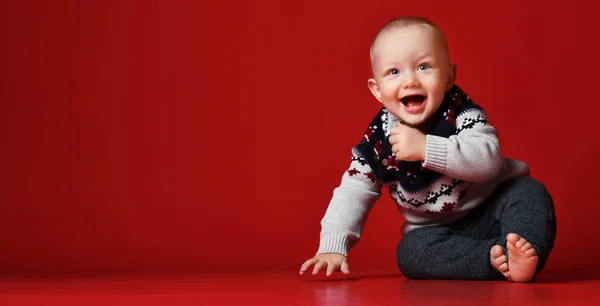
<point>412,72</point>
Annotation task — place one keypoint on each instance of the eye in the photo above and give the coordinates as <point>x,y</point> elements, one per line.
<point>394,71</point>
<point>423,67</point>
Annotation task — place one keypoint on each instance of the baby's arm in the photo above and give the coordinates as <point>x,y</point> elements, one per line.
<point>348,209</point>
<point>342,225</point>
<point>472,155</point>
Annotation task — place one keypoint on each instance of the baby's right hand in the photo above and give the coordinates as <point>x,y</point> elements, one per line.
<point>332,262</point>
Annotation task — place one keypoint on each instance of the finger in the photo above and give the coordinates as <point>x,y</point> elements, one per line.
<point>393,139</point>
<point>321,264</point>
<point>330,268</point>
<point>307,264</point>
<point>345,266</point>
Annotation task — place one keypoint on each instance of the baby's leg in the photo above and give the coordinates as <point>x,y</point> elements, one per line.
<point>473,248</point>
<point>439,253</point>
<point>526,214</point>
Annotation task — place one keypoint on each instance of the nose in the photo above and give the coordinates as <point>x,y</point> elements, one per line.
<point>410,80</point>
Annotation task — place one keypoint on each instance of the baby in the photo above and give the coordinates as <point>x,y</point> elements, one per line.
<point>470,212</point>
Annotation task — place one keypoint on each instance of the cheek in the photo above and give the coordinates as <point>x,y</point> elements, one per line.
<point>436,86</point>
<point>389,93</point>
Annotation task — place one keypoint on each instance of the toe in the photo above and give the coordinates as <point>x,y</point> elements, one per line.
<point>530,252</point>
<point>512,238</point>
<point>500,260</point>
<point>499,263</point>
<point>526,247</point>
<point>521,243</point>
<point>496,251</point>
<point>503,267</point>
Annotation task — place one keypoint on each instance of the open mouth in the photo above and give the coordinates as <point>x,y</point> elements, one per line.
<point>413,101</point>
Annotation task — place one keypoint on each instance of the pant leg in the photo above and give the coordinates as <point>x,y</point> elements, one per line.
<point>528,210</point>
<point>461,250</point>
<point>439,253</point>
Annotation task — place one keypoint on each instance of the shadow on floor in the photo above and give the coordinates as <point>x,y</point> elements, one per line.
<point>337,277</point>
<point>545,277</point>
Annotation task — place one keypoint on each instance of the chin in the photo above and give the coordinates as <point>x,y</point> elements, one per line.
<point>413,119</point>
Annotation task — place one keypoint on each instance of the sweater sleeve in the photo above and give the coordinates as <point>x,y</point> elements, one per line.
<point>472,154</point>
<point>352,200</point>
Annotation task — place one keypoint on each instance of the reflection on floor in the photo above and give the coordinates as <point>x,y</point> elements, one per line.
<point>287,288</point>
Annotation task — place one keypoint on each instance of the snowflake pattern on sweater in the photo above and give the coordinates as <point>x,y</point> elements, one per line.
<point>410,184</point>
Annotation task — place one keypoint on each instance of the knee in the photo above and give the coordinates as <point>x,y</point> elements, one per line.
<point>529,185</point>
<point>531,190</point>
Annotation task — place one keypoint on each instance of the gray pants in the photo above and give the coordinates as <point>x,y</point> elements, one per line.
<point>461,250</point>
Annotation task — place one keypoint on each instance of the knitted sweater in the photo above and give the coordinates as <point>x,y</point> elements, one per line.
<point>463,165</point>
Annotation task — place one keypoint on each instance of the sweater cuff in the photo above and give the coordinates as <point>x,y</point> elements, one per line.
<point>436,153</point>
<point>335,243</point>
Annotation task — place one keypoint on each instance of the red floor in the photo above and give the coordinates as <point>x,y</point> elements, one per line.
<point>291,289</point>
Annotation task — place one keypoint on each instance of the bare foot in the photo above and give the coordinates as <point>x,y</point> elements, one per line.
<point>498,261</point>
<point>522,259</point>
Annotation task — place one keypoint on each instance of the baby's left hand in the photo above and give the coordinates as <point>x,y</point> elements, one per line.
<point>408,143</point>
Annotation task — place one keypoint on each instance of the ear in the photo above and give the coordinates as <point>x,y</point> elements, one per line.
<point>451,76</point>
<point>374,87</point>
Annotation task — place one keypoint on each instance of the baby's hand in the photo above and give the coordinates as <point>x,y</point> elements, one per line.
<point>408,143</point>
<point>332,262</point>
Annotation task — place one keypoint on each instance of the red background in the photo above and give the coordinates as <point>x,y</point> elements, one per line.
<point>208,136</point>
